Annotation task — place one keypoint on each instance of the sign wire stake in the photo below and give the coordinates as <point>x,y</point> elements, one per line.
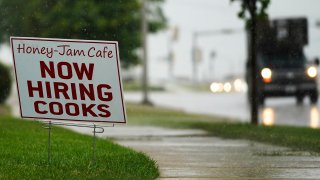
<point>94,145</point>
<point>48,125</point>
<point>96,129</point>
<point>49,143</point>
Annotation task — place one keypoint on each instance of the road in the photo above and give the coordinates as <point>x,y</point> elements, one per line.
<point>234,105</point>
<point>191,154</point>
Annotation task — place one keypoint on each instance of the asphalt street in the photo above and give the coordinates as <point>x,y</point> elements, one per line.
<point>234,105</point>
<point>231,105</point>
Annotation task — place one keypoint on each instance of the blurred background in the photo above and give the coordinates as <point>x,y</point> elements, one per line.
<point>196,51</point>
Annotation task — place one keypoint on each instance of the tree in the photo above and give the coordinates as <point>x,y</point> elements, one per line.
<point>251,13</point>
<point>115,20</point>
<point>5,83</point>
<point>247,9</point>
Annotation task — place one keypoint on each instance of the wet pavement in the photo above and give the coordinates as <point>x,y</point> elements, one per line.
<point>191,154</point>
<point>234,105</point>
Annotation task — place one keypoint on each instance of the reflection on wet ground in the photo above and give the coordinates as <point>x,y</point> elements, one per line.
<point>192,154</point>
<point>283,111</point>
<point>268,116</point>
<point>314,117</point>
<point>232,105</point>
<point>302,115</point>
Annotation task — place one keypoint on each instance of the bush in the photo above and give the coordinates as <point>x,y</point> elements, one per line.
<point>5,82</point>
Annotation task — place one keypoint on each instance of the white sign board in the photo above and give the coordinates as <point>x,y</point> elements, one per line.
<point>75,80</point>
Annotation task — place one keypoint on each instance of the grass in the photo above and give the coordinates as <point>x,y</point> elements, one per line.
<point>4,110</point>
<point>23,155</point>
<point>137,86</point>
<point>297,138</point>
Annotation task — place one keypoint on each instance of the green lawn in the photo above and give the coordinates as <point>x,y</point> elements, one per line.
<point>23,145</point>
<point>137,86</point>
<point>23,155</point>
<point>298,138</point>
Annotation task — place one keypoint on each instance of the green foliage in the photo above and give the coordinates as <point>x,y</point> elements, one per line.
<point>5,83</point>
<point>23,150</point>
<point>246,5</point>
<point>115,20</point>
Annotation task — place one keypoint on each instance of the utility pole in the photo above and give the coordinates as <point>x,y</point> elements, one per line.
<point>253,61</point>
<point>194,58</point>
<point>172,37</point>
<point>144,27</point>
<point>211,66</point>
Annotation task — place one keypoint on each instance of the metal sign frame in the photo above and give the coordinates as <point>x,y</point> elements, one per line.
<point>29,52</point>
<point>39,49</point>
<point>97,129</point>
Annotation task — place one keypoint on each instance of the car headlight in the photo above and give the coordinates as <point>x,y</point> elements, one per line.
<point>312,71</point>
<point>266,74</point>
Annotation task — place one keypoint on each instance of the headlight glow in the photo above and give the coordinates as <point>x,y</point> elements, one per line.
<point>266,74</point>
<point>312,71</point>
<point>227,87</point>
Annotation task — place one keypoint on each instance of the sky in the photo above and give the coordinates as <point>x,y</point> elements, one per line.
<point>230,50</point>
<point>191,16</point>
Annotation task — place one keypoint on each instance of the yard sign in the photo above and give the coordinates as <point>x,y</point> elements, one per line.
<point>75,80</point>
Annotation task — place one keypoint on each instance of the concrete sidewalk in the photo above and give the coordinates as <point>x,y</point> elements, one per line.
<point>191,154</point>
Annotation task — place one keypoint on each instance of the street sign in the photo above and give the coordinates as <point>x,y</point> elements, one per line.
<point>64,79</point>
